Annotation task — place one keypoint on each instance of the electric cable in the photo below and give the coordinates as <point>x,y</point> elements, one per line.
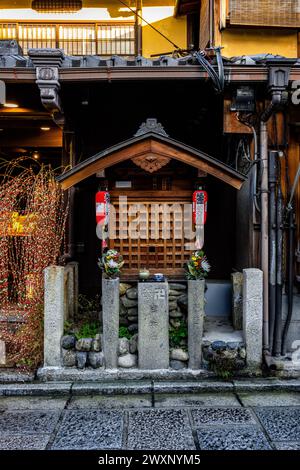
<point>148,24</point>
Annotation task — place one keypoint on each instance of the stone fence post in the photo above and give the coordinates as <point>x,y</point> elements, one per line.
<point>54,314</point>
<point>71,290</point>
<point>153,338</point>
<point>195,322</point>
<point>110,321</point>
<point>253,316</point>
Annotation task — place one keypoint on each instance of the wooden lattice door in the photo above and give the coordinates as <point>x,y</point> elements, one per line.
<point>151,236</point>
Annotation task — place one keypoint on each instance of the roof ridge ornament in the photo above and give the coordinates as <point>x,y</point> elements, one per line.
<point>151,125</point>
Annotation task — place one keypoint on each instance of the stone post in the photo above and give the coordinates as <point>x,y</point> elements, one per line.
<point>54,314</point>
<point>195,322</point>
<point>237,300</point>
<point>2,353</point>
<point>71,290</point>
<point>253,316</point>
<point>110,319</point>
<point>153,333</point>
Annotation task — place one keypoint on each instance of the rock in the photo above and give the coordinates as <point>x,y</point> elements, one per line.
<point>218,345</point>
<point>133,311</point>
<point>81,358</point>
<point>132,293</point>
<point>179,355</point>
<point>96,344</point>
<point>68,342</point>
<point>84,344</point>
<point>174,293</point>
<point>174,286</point>
<point>123,288</point>
<point>173,306</point>
<point>128,303</point>
<point>172,298</point>
<point>177,365</point>
<point>208,353</point>
<point>133,344</point>
<point>123,346</point>
<point>175,323</point>
<point>234,345</point>
<point>68,358</point>
<point>95,359</point>
<point>133,319</point>
<point>133,327</point>
<point>122,310</point>
<point>242,353</point>
<point>205,343</point>
<point>123,321</point>
<point>175,314</point>
<point>127,361</point>
<point>229,354</point>
<point>182,302</point>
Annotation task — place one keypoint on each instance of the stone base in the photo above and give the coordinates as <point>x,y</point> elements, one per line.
<point>72,374</point>
<point>283,366</point>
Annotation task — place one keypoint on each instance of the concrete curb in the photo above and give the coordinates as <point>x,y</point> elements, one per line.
<point>56,389</point>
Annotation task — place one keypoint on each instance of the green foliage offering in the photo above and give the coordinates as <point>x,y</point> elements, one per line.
<point>111,263</point>
<point>197,267</point>
<point>177,334</point>
<point>88,330</point>
<point>124,332</point>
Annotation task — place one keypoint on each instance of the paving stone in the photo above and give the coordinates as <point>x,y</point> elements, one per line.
<point>159,429</point>
<point>270,399</point>
<point>205,399</point>
<point>111,402</point>
<point>287,445</point>
<point>90,429</point>
<point>232,438</point>
<point>281,424</point>
<point>222,416</point>
<point>19,442</point>
<point>28,421</point>
<point>32,403</point>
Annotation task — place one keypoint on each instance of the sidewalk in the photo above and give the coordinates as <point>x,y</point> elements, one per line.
<point>253,415</point>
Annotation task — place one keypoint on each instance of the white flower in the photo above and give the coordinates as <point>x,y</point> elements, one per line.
<point>112,264</point>
<point>205,265</point>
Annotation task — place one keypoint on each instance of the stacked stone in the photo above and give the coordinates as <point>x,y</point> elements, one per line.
<point>232,351</point>
<point>129,307</point>
<point>81,353</point>
<point>128,352</point>
<point>178,313</point>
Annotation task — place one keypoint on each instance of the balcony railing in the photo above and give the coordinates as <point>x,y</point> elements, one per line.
<point>269,13</point>
<point>76,39</point>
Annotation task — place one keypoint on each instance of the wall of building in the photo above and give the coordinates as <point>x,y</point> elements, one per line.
<point>174,28</point>
<point>245,41</point>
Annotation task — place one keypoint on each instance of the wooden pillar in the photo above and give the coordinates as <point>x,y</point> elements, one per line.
<point>138,28</point>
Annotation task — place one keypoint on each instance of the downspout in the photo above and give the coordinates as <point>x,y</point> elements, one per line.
<point>264,229</point>
<point>279,72</point>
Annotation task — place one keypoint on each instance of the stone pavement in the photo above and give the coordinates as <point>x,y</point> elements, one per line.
<point>144,419</point>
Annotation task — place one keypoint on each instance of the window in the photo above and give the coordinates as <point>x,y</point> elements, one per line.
<point>75,39</point>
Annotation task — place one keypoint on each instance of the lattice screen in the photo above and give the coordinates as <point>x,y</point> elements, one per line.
<point>154,244</point>
<point>285,13</point>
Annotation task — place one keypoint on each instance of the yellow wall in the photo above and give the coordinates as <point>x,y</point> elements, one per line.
<point>175,29</point>
<point>253,41</point>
